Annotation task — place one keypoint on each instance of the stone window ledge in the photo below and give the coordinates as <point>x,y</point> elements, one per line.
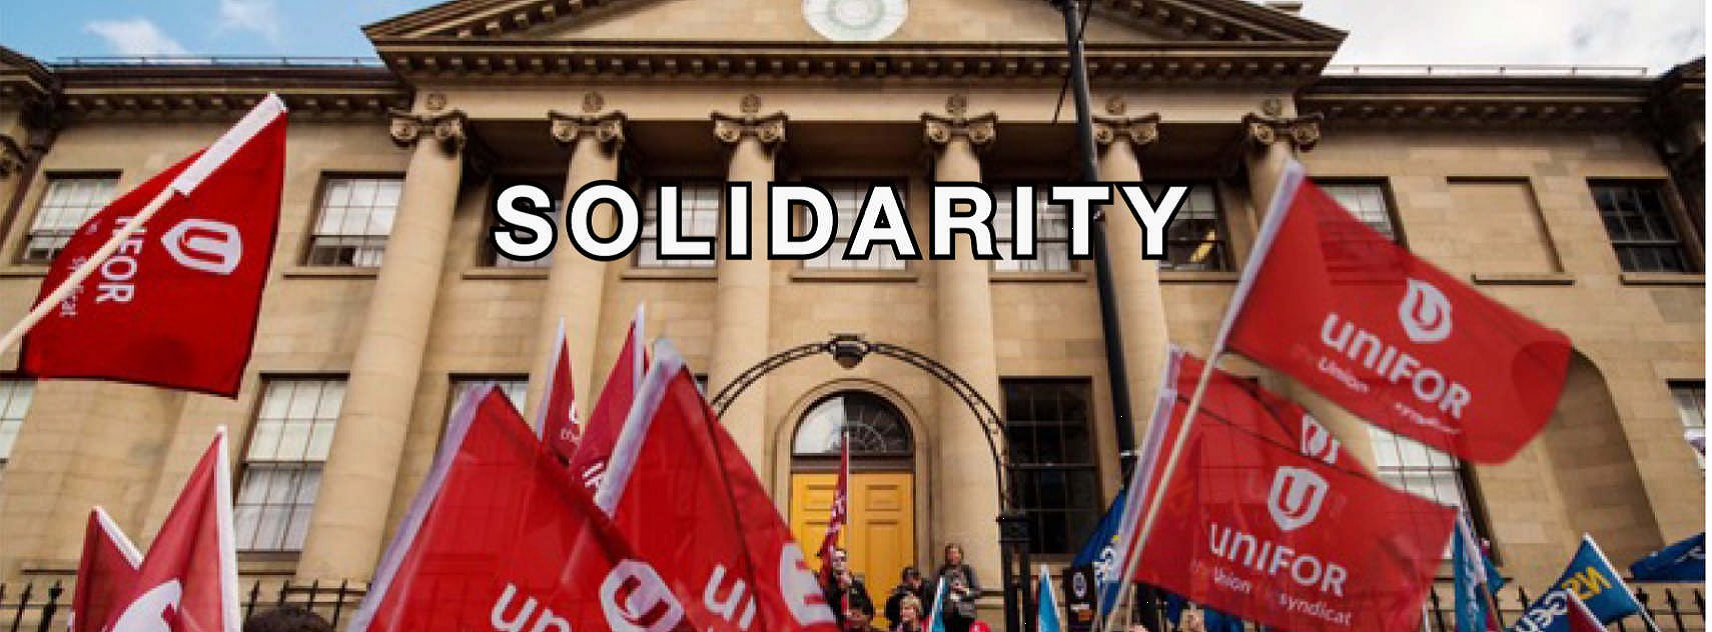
<point>876,276</point>
<point>23,271</point>
<point>1068,276</point>
<point>330,272</point>
<point>1663,278</point>
<point>671,274</point>
<point>1199,276</point>
<point>1544,278</point>
<point>494,272</point>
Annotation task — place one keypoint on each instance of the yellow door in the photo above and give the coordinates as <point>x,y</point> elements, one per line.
<point>881,534</point>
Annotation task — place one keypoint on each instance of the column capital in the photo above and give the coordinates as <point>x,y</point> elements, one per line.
<point>769,129</point>
<point>980,130</point>
<point>606,129</point>
<point>12,156</point>
<point>1302,132</point>
<point>448,128</point>
<point>1140,131</point>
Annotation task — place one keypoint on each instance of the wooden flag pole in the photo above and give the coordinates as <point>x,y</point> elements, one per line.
<point>1165,474</point>
<point>82,272</point>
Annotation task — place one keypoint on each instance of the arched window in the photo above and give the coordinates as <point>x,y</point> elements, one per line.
<point>874,426</point>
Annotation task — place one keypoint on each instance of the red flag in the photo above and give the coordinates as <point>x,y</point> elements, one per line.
<point>840,512</point>
<point>1388,336</point>
<point>1581,619</point>
<point>176,304</point>
<point>499,539</point>
<point>606,420</point>
<point>1260,531</point>
<point>188,582</point>
<point>104,574</point>
<point>1233,400</point>
<point>556,418</point>
<point>682,492</point>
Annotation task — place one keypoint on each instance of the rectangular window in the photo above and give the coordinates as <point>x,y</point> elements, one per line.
<point>847,199</point>
<point>701,202</point>
<point>498,259</point>
<point>1196,238</point>
<point>1051,232</point>
<point>15,396</point>
<point>515,388</point>
<point>1408,465</point>
<point>1638,220</point>
<point>68,202</point>
<point>1048,429</point>
<point>282,468</point>
<point>1367,202</point>
<point>356,218</point>
<point>1692,408</point>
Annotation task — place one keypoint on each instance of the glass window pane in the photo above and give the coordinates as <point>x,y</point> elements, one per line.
<point>67,203</point>
<point>355,219</point>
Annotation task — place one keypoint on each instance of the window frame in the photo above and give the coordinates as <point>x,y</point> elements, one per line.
<point>1221,224</point>
<point>21,257</point>
<point>645,189</point>
<point>9,380</point>
<point>1688,428</point>
<point>835,250</point>
<point>1090,468</point>
<point>318,208</point>
<point>1004,191</point>
<point>1688,241</point>
<point>1462,474</point>
<point>244,465</point>
<point>1398,235</point>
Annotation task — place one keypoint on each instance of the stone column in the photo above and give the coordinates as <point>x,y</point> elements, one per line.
<point>1272,142</point>
<point>966,509</point>
<point>1141,304</point>
<point>576,285</point>
<point>348,527</point>
<point>742,306</point>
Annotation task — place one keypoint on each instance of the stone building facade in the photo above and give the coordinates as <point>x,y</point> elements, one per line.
<point>1577,199</point>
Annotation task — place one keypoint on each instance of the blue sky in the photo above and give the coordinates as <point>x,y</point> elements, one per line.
<point>1652,33</point>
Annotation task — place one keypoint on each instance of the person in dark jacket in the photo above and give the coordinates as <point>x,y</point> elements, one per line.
<point>962,590</point>
<point>856,612</point>
<point>910,585</point>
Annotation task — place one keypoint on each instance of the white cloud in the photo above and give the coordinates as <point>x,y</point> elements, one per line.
<point>1657,34</point>
<point>258,16</point>
<point>136,36</point>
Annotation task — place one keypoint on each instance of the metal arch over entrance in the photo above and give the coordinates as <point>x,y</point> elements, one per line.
<point>848,350</point>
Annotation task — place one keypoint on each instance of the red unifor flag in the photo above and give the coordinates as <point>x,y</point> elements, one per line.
<point>840,512</point>
<point>188,582</point>
<point>1384,334</point>
<point>498,538</point>
<point>556,417</point>
<point>1258,530</point>
<point>1243,403</point>
<point>606,419</point>
<point>682,492</point>
<point>106,572</point>
<point>176,304</point>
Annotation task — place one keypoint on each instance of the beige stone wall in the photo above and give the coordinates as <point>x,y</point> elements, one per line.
<point>129,448</point>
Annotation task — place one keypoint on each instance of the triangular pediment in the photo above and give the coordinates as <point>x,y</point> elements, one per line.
<point>775,21</point>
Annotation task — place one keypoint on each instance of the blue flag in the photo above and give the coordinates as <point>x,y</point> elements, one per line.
<point>1100,552</point>
<point>1592,579</point>
<point>1557,611</point>
<point>935,617</point>
<point>1047,620</point>
<point>1683,561</point>
<point>1476,578</point>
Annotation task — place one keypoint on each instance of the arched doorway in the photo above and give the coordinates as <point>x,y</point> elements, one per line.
<point>881,533</point>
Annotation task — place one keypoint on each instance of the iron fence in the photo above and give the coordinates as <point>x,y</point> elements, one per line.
<point>41,607</point>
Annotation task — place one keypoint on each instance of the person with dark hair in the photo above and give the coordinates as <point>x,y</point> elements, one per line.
<point>846,595</point>
<point>910,585</point>
<point>962,589</point>
<point>287,618</point>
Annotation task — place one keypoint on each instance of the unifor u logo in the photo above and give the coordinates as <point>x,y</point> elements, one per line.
<point>1296,497</point>
<point>1425,313</point>
<point>1317,442</point>
<point>154,611</point>
<point>206,245</point>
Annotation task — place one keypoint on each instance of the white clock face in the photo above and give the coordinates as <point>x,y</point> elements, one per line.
<point>855,20</point>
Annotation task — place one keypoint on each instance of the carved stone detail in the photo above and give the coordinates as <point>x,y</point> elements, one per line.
<point>12,156</point>
<point>1302,132</point>
<point>769,129</point>
<point>1116,105</point>
<point>449,129</point>
<point>435,102</point>
<point>1140,131</point>
<point>606,129</point>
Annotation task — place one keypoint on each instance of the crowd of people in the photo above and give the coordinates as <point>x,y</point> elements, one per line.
<point>906,608</point>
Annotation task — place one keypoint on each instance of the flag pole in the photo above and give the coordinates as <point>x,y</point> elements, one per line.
<point>84,271</point>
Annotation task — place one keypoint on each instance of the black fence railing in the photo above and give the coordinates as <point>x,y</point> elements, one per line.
<point>33,607</point>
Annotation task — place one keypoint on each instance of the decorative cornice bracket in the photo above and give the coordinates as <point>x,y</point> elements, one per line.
<point>450,129</point>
